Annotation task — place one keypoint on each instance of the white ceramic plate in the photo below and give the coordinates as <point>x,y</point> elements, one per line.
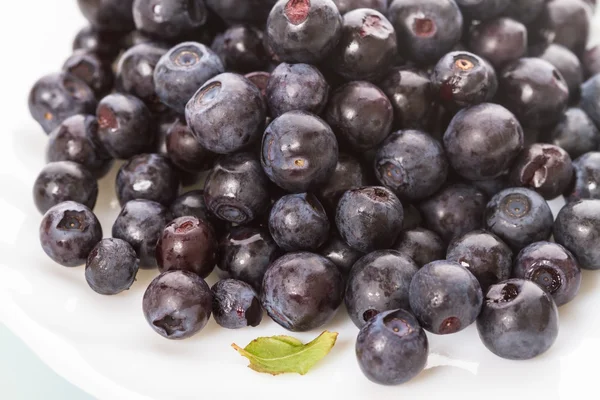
<point>103,344</point>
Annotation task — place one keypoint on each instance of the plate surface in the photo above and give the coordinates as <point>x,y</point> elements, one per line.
<point>103,344</point>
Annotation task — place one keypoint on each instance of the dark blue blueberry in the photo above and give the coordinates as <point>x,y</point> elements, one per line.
<point>500,41</point>
<point>338,252</point>
<point>482,10</point>
<point>76,139</point>
<point>182,71</point>
<point>525,11</point>
<point>378,282</point>
<point>177,304</point>
<point>111,267</point>
<point>92,70</point>
<point>392,348</point>
<point>56,97</point>
<point>299,151</point>
<point>519,321</point>
<point>68,233</point>
<point>454,211</point>
<point>421,245</point>
<point>106,45</point>
<point>567,64</point>
<point>237,190</point>
<point>348,5</point>
<point>552,267</point>
<point>577,227</point>
<point>149,177</point>
<point>125,126</point>
<point>519,217</point>
<point>426,29</point>
<point>169,19</point>
<point>412,164</point>
<point>482,141</point>
<point>235,12</point>
<point>235,304</point>
<point>586,183</point>
<point>184,150</point>
<point>575,133</point>
<point>590,98</point>
<point>485,255</point>
<point>445,297</point>
<point>140,223</point>
<point>299,222</point>
<point>369,218</point>
<point>241,49</point>
<point>303,31</point>
<point>348,174</point>
<point>135,72</point>
<point>226,114</point>
<point>108,15</point>
<point>302,291</point>
<point>361,115</point>
<point>296,87</point>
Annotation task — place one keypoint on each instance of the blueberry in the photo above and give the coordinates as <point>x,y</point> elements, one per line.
<point>338,252</point>
<point>348,174</point>
<point>482,141</point>
<point>135,71</point>
<point>299,222</point>
<point>241,49</point>
<point>569,21</point>
<point>177,304</point>
<point>500,41</point>
<point>184,150</point>
<point>348,5</point>
<point>590,98</point>
<point>108,15</point>
<point>482,10</point>
<point>92,70</point>
<point>426,29</point>
<point>237,190</point>
<point>140,223</point>
<point>591,61</point>
<point>169,19</point>
<point>105,44</point>
<point>111,267</point>
<point>567,64</point>
<point>303,31</point>
<point>125,126</point>
<point>534,90</point>
<point>368,46</point>
<point>445,297</point>
<point>233,11</point>
<point>519,321</point>
<point>76,139</point>
<point>56,97</point>
<point>191,204</point>
<point>378,282</point>
<point>68,233</point>
<point>302,291</point>
<point>412,164</point>
<point>296,87</point>
<point>485,255</point>
<point>421,245</point>
<point>577,227</point>
<point>299,151</point>
<point>149,177</point>
<point>586,182</point>
<point>454,211</point>
<point>235,304</point>
<point>226,114</point>
<point>575,133</point>
<point>369,218</point>
<point>525,11</point>
<point>182,70</point>
<point>519,217</point>
<point>360,114</point>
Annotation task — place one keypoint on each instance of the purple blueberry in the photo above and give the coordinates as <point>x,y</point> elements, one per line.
<point>92,70</point>
<point>111,267</point>
<point>135,72</point>
<point>575,133</point>
<point>169,19</point>
<point>500,41</point>
<point>577,228</point>
<point>241,48</point>
<point>235,304</point>
<point>184,150</point>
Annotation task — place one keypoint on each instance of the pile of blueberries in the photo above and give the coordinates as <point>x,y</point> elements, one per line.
<point>397,156</point>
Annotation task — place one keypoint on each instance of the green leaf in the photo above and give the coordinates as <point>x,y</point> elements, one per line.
<point>280,354</point>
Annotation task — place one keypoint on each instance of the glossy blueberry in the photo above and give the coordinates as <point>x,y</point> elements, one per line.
<point>182,71</point>
<point>369,218</point>
<point>500,41</point>
<point>140,223</point>
<point>68,233</point>
<point>482,10</point>
<point>108,15</point>
<point>103,43</point>
<point>226,114</point>
<point>378,282</point>
<point>302,291</point>
<point>125,126</point>
<point>534,90</point>
<point>519,217</point>
<point>421,245</point>
<point>76,139</point>
<point>485,255</point>
<point>445,297</point>
<point>254,12</point>
<point>590,98</point>
<point>482,141</point>
<point>519,321</point>
<point>426,29</point>
<point>567,64</point>
<point>237,190</point>
<point>348,5</point>
<point>169,19</point>
<point>184,150</point>
<point>177,304</point>
<point>241,49</point>
<point>525,11</point>
<point>552,267</point>
<point>545,168</point>
<point>56,97</point>
<point>149,177</point>
<point>235,304</point>
<point>392,348</point>
<point>412,164</point>
<point>349,174</point>
<point>577,227</point>
<point>575,133</point>
<point>92,70</point>
<point>360,114</point>
<point>586,182</point>
<point>135,71</point>
<point>299,151</point>
<point>338,252</point>
<point>111,267</point>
